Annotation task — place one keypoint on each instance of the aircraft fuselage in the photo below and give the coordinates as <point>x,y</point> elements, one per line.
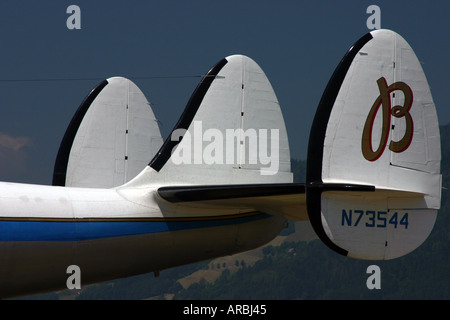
<point>108,235</point>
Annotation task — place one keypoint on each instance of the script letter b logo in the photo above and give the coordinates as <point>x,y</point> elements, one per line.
<point>384,101</point>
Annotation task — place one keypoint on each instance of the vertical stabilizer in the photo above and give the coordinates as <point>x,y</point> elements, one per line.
<point>232,131</point>
<point>376,133</point>
<point>110,139</point>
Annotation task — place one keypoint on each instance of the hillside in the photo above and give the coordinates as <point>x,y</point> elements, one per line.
<point>295,266</point>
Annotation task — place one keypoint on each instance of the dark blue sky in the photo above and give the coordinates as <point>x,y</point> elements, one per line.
<point>297,43</point>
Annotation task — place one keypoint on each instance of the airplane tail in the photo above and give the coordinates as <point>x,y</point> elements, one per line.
<point>232,131</point>
<point>373,185</point>
<point>230,142</point>
<point>373,169</point>
<point>110,139</point>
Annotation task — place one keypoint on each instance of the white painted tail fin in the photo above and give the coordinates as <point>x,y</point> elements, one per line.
<point>373,172</point>
<point>232,131</point>
<point>110,139</point>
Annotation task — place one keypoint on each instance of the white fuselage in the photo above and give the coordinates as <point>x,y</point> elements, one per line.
<point>109,233</point>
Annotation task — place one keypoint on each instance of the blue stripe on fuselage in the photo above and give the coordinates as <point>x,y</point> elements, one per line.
<point>79,229</point>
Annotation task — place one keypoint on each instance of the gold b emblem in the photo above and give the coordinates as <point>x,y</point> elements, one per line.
<point>384,100</point>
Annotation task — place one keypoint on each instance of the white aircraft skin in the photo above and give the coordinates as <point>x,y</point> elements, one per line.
<point>113,219</point>
<point>108,236</point>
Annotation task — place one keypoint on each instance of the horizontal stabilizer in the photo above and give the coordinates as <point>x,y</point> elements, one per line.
<point>283,199</point>
<point>219,192</point>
